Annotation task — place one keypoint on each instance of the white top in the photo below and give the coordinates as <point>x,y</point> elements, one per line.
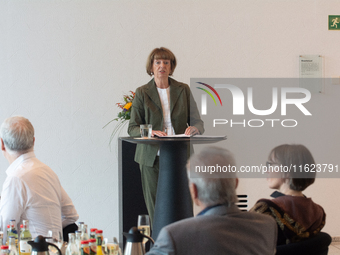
<point>164,96</point>
<point>32,191</point>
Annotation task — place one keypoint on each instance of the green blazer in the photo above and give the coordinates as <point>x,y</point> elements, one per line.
<point>147,109</point>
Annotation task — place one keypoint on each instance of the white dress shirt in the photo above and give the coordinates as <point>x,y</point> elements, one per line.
<point>32,191</point>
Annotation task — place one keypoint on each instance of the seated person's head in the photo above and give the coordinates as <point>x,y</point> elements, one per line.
<point>17,135</point>
<point>288,160</point>
<point>210,189</point>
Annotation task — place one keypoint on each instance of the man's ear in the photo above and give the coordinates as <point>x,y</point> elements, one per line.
<point>236,183</point>
<point>3,148</point>
<point>33,140</point>
<point>193,192</point>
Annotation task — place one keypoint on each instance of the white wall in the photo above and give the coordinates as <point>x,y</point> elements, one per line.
<point>64,64</point>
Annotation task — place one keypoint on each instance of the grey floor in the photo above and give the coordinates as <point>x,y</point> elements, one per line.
<point>334,249</point>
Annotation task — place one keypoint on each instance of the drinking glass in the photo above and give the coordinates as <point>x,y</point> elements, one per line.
<point>112,248</point>
<point>55,237</point>
<point>146,131</point>
<point>144,226</point>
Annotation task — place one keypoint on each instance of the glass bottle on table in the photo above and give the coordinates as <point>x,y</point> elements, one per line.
<point>13,231</point>
<point>78,239</point>
<point>93,246</point>
<point>93,233</point>
<point>80,225</point>
<point>80,229</point>
<point>84,234</point>
<point>8,226</point>
<point>72,248</point>
<point>99,238</point>
<point>84,250</point>
<point>21,229</point>
<point>12,246</point>
<point>4,250</point>
<point>19,235</point>
<point>25,236</point>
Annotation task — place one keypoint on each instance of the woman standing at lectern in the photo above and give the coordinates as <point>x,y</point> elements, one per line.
<point>164,103</point>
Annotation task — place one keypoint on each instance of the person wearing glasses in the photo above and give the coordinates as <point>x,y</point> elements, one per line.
<point>296,215</point>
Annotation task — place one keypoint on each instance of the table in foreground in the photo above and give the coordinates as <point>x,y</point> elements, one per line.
<point>173,201</point>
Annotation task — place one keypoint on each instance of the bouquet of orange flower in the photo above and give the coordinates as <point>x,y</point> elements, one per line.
<point>123,115</point>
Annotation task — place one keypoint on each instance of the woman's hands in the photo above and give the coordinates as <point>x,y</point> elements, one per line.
<point>191,131</point>
<point>158,133</point>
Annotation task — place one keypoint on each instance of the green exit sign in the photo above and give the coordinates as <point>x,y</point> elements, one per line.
<point>333,22</point>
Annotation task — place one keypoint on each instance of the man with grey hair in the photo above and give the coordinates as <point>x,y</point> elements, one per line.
<point>31,191</point>
<point>220,227</point>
